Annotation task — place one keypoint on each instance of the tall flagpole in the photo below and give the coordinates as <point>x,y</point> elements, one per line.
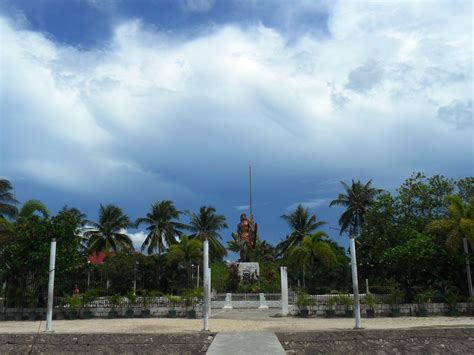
<point>250,187</point>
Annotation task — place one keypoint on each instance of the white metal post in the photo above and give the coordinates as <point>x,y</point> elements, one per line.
<point>284,291</point>
<point>205,269</point>
<point>355,283</point>
<point>52,262</point>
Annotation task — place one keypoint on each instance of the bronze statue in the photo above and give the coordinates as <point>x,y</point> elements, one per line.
<point>247,236</point>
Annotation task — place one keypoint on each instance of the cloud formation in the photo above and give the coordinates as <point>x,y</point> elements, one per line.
<point>381,95</point>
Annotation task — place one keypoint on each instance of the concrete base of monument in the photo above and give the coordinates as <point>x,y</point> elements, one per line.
<point>248,271</point>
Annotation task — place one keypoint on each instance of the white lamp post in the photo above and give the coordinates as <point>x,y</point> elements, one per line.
<point>355,283</point>
<point>52,262</point>
<point>206,303</point>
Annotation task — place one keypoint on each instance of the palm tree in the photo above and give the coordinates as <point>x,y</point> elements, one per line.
<point>301,224</point>
<point>31,207</point>
<point>7,200</point>
<point>76,214</point>
<point>459,227</point>
<point>312,250</point>
<point>108,235</point>
<point>233,244</point>
<point>185,254</point>
<point>357,199</point>
<point>81,221</point>
<point>205,225</point>
<point>162,226</point>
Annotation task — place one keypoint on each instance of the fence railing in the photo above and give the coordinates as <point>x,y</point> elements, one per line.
<point>293,297</point>
<point>124,302</point>
<point>247,296</point>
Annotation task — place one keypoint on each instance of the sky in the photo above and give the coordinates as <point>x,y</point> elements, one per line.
<point>132,102</point>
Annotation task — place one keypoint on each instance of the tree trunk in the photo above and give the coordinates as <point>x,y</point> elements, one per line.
<point>355,283</point>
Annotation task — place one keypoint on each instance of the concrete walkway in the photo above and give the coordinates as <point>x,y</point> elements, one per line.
<point>246,343</point>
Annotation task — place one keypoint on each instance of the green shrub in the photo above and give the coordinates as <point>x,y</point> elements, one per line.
<point>114,300</point>
<point>370,301</point>
<point>89,297</point>
<point>303,299</point>
<point>425,296</point>
<point>74,302</point>
<point>174,300</point>
<point>132,298</point>
<point>344,299</point>
<point>396,296</point>
<point>451,298</point>
<point>332,301</point>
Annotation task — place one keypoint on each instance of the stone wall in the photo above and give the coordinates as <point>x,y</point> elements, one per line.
<point>173,343</point>
<point>393,341</point>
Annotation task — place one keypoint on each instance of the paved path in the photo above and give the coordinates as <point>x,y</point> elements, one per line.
<point>246,343</point>
<point>245,314</point>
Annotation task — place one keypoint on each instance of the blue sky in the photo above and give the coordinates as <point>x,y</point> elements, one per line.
<point>129,102</point>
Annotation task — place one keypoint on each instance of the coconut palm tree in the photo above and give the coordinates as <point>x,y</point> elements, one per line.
<point>312,250</point>
<point>81,221</point>
<point>162,227</point>
<point>108,235</point>
<point>206,224</point>
<point>357,199</point>
<point>31,207</point>
<point>459,228</point>
<point>185,254</point>
<point>80,217</point>
<point>7,200</point>
<point>302,224</point>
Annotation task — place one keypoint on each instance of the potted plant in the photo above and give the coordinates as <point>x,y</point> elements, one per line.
<point>87,299</point>
<point>346,301</point>
<point>174,301</point>
<point>114,300</point>
<point>451,298</point>
<point>31,299</point>
<point>331,303</point>
<point>132,298</point>
<point>424,298</point>
<point>303,300</point>
<point>396,297</point>
<point>59,314</point>
<point>370,301</point>
<point>191,298</point>
<point>470,309</point>
<point>74,304</point>
<point>145,302</point>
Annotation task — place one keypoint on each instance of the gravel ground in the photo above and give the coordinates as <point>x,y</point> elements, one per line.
<point>230,321</point>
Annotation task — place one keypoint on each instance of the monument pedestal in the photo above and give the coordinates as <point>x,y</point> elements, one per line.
<point>248,271</point>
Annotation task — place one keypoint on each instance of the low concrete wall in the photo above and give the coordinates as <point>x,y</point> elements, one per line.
<point>384,310</point>
<point>173,343</point>
<point>99,312</point>
<point>380,342</point>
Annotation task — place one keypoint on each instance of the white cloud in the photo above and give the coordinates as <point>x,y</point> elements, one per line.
<point>155,110</point>
<point>137,238</point>
<point>196,5</point>
<point>458,113</point>
<point>312,203</point>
